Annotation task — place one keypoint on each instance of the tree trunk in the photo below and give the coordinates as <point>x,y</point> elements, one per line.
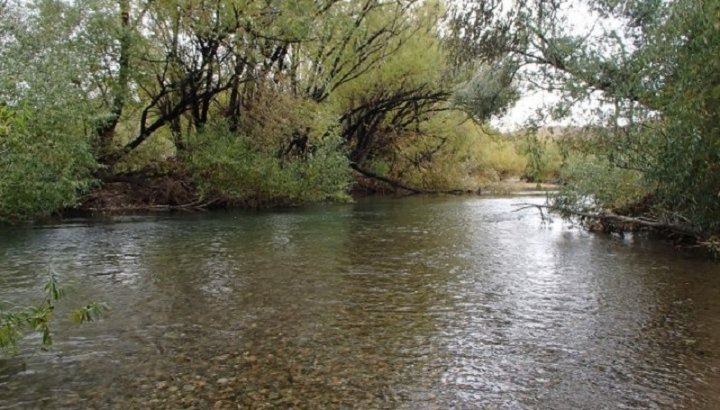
<point>106,130</point>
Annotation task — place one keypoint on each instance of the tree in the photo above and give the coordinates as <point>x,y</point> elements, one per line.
<point>47,156</point>
<point>649,67</point>
<point>121,86</point>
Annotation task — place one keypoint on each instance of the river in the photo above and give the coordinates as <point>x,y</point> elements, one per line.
<point>416,303</point>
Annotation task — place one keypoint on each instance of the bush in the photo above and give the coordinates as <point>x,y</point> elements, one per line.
<point>500,157</point>
<point>591,184</point>
<point>229,167</point>
<point>450,153</point>
<point>543,158</point>
<point>42,168</point>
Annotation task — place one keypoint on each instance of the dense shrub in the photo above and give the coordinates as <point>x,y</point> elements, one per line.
<point>42,168</point>
<point>591,184</point>
<point>229,167</point>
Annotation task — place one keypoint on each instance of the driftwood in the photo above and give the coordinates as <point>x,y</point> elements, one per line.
<point>192,206</point>
<point>413,190</point>
<point>685,230</point>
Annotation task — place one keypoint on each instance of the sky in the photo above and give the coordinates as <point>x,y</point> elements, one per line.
<point>582,22</point>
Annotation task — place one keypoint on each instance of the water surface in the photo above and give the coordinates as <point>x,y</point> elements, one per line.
<point>419,303</point>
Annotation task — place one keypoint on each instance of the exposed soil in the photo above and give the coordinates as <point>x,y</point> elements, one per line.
<point>142,192</point>
<point>146,191</point>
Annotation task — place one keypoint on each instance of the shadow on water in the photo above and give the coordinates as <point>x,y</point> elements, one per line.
<point>414,303</point>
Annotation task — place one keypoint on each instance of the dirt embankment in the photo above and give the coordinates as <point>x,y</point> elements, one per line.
<point>175,191</point>
<point>142,192</point>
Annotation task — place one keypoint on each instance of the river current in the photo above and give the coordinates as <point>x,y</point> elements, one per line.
<point>415,303</point>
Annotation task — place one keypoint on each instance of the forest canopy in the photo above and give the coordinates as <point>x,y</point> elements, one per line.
<point>247,102</point>
<point>257,103</point>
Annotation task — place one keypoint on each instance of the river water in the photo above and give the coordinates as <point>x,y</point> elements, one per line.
<point>419,303</point>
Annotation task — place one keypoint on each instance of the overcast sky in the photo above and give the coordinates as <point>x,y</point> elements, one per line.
<point>582,22</point>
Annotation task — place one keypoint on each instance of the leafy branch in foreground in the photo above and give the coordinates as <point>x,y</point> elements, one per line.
<point>18,321</point>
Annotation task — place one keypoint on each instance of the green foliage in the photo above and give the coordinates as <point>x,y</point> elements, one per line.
<point>109,87</point>
<point>89,313</point>
<point>685,163</point>
<point>438,155</point>
<point>450,152</point>
<point>677,144</point>
<point>42,168</point>
<point>412,113</point>
<point>17,321</point>
<point>499,158</point>
<point>45,113</point>
<point>543,158</point>
<point>230,167</point>
<point>534,149</point>
<point>591,184</point>
<point>650,81</point>
<point>491,91</point>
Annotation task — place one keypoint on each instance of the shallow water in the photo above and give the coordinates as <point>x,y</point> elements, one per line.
<point>417,303</point>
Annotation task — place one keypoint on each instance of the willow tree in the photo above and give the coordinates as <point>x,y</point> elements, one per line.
<point>94,90</point>
<point>50,69</point>
<point>649,70</point>
<point>383,70</point>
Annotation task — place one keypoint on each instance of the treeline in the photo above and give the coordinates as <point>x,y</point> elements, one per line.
<point>242,102</point>
<point>260,102</point>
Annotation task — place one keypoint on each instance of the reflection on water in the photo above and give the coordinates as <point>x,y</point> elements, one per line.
<point>419,303</point>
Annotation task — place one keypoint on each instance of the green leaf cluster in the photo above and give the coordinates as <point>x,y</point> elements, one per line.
<point>235,170</point>
<point>15,322</point>
<point>42,168</point>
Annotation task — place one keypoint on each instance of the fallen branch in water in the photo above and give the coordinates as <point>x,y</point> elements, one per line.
<point>613,218</point>
<point>192,206</point>
<point>539,208</point>
<point>401,185</point>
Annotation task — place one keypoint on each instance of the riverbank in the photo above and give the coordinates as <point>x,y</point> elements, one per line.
<point>176,191</point>
<point>163,192</point>
<point>514,186</point>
